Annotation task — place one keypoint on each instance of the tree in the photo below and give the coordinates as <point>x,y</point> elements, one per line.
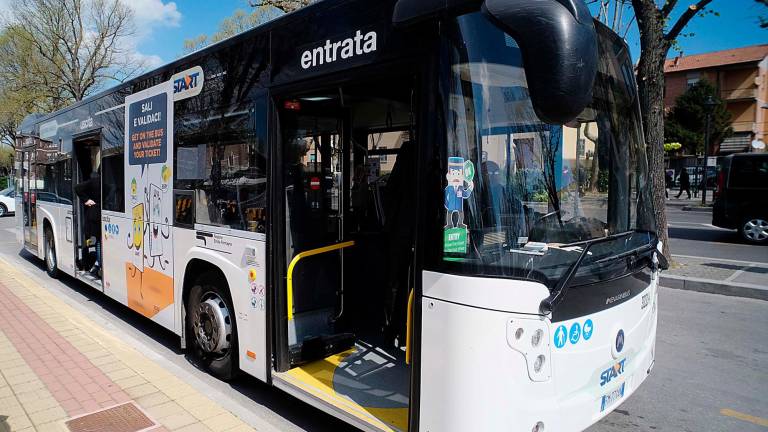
<point>686,122</point>
<point>286,6</point>
<point>24,85</point>
<point>79,42</point>
<point>658,33</point>
<point>763,20</point>
<point>54,52</point>
<point>240,21</point>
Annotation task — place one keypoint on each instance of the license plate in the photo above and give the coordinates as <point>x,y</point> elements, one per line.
<point>610,398</point>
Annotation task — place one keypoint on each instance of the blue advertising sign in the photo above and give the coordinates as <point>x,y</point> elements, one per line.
<point>148,130</point>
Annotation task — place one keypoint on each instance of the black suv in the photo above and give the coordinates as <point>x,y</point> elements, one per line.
<point>741,198</point>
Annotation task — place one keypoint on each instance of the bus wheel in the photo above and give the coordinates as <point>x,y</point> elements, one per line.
<point>755,230</point>
<point>211,327</point>
<point>51,265</point>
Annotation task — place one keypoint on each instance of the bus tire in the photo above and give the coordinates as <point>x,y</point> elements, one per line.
<point>211,327</point>
<point>50,258</point>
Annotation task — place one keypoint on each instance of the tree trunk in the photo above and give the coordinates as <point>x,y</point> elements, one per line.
<point>650,79</point>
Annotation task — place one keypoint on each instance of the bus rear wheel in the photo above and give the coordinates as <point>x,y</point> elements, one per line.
<point>51,263</point>
<point>211,327</point>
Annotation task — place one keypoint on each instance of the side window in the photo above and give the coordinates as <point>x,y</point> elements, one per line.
<point>221,167</point>
<point>64,181</point>
<point>748,172</point>
<point>112,183</point>
<point>46,183</point>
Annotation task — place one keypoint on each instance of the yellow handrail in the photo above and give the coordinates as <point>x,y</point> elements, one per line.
<point>409,329</point>
<point>298,258</point>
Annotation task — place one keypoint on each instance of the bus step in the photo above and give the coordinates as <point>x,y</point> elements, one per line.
<point>319,347</point>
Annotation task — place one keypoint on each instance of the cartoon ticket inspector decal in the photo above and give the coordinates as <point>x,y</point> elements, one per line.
<point>460,185</point>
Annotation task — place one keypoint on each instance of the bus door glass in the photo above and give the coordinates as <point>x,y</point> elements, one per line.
<point>29,198</point>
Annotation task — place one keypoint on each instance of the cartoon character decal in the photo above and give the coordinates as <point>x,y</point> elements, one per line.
<point>136,236</point>
<point>460,178</point>
<point>159,231</point>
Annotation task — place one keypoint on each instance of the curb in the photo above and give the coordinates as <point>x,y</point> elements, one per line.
<point>714,287</point>
<point>697,209</point>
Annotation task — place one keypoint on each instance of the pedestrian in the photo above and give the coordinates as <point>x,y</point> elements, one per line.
<point>667,182</point>
<point>685,183</point>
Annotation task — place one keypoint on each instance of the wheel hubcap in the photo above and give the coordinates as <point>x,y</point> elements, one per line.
<point>756,230</point>
<point>213,326</point>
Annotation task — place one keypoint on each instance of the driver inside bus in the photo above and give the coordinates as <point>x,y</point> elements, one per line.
<point>89,192</point>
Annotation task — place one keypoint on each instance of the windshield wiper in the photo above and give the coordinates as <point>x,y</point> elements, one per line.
<point>558,292</point>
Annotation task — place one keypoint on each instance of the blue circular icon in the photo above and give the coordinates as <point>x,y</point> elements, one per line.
<point>560,336</point>
<point>575,333</point>
<point>587,329</point>
<point>620,341</point>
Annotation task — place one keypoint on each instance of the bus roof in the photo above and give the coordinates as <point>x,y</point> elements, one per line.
<point>281,21</point>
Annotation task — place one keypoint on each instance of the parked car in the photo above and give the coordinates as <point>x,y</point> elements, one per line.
<point>740,198</point>
<point>7,201</point>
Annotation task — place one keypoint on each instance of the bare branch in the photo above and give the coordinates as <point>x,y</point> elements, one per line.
<point>685,18</point>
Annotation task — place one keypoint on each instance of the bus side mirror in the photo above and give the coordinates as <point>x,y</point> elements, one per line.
<point>558,41</point>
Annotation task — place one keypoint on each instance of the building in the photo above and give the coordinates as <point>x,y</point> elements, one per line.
<point>741,77</point>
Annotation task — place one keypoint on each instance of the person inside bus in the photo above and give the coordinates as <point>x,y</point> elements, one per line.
<point>89,192</point>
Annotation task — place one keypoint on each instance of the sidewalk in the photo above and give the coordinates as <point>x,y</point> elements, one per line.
<point>56,366</point>
<point>717,276</point>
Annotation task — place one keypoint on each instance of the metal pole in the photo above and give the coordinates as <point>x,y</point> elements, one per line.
<point>706,162</point>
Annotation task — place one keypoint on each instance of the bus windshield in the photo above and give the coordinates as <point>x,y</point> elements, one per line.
<point>522,196</point>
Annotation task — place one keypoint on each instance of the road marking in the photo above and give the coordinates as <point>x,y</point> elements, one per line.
<point>744,263</point>
<point>744,417</point>
<point>737,273</point>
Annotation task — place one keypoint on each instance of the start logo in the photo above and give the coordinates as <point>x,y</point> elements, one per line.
<point>612,372</point>
<point>188,83</point>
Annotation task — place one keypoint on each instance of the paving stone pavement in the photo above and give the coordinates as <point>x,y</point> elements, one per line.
<point>56,364</point>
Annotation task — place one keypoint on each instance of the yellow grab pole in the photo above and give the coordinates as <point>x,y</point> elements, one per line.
<point>298,258</point>
<point>409,329</point>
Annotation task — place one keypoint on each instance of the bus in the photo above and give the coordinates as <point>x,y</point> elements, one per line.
<point>414,215</point>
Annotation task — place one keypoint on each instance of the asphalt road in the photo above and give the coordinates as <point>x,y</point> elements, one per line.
<point>692,233</point>
<point>712,354</point>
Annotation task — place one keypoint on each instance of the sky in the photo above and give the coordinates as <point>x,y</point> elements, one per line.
<point>163,25</point>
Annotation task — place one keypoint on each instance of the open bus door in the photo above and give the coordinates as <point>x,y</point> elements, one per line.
<point>87,218</point>
<point>348,173</point>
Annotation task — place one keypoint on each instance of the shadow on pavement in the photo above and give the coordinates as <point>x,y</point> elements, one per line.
<point>282,404</point>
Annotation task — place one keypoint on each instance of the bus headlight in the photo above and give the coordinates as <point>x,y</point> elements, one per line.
<point>535,349</point>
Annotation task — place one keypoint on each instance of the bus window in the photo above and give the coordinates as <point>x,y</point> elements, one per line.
<point>112,184</point>
<point>46,186</point>
<point>64,181</point>
<point>221,164</point>
<point>519,190</point>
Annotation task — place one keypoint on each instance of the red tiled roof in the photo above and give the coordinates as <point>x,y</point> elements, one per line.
<point>748,54</point>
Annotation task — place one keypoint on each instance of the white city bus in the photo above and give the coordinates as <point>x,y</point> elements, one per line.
<point>412,214</point>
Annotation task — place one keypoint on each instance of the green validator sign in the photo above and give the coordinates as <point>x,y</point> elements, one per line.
<point>455,241</point>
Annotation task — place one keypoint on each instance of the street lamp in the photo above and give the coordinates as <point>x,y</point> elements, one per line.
<point>709,107</point>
